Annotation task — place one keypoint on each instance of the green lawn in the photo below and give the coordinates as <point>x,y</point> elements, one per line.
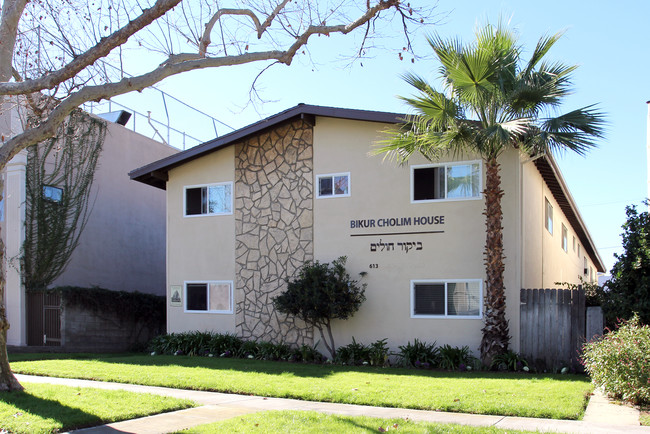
<point>546,396</point>
<point>303,422</point>
<point>44,408</point>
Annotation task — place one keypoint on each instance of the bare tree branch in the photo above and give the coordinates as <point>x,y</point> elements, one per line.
<point>96,52</point>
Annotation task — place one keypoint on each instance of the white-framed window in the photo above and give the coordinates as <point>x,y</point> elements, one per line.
<point>209,296</point>
<point>333,185</point>
<point>565,238</point>
<point>548,216</point>
<point>578,249</point>
<point>52,193</point>
<point>574,243</point>
<point>586,270</point>
<point>448,181</point>
<point>211,199</point>
<point>446,298</point>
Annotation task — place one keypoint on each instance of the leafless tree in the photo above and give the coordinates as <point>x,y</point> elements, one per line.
<point>54,53</point>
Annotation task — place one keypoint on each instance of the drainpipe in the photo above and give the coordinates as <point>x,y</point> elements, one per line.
<point>648,151</point>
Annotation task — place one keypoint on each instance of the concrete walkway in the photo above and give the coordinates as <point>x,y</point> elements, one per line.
<point>601,415</point>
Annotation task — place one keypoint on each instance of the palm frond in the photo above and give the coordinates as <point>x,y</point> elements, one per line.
<point>543,46</point>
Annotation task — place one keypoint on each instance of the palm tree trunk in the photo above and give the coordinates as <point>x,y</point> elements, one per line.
<point>495,330</point>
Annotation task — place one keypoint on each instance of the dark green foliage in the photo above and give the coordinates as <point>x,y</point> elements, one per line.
<point>228,345</point>
<point>52,228</point>
<point>594,294</point>
<point>452,358</point>
<point>379,353</point>
<point>375,354</point>
<point>620,361</point>
<point>148,309</point>
<point>418,355</point>
<point>352,354</point>
<point>628,291</point>
<point>319,294</point>
<point>509,361</point>
<point>308,354</point>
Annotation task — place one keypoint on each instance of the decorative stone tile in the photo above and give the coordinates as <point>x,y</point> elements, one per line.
<point>274,224</point>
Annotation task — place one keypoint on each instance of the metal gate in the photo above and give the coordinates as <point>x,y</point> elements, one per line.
<point>44,318</point>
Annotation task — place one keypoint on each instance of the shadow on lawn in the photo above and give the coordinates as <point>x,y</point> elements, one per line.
<point>28,404</point>
<point>305,370</point>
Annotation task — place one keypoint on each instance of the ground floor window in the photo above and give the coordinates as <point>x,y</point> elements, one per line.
<point>446,298</point>
<point>213,297</point>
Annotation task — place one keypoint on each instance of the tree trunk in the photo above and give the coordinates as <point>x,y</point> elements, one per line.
<point>495,330</point>
<point>7,380</point>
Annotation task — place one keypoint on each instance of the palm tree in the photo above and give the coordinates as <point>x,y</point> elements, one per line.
<point>493,101</point>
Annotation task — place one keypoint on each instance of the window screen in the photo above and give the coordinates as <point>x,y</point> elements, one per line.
<point>429,299</point>
<point>197,296</point>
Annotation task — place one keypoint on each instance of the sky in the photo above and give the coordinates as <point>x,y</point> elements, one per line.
<point>608,41</point>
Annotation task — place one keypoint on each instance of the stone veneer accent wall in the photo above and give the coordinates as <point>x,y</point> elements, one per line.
<point>273,228</point>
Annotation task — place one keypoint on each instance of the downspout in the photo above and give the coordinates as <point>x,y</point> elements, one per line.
<point>648,150</point>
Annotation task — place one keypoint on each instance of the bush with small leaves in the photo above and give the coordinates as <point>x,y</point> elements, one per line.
<point>620,361</point>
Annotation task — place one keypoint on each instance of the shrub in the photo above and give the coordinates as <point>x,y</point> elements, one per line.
<point>418,355</point>
<point>452,358</point>
<point>378,353</point>
<point>307,354</point>
<point>509,361</point>
<point>352,354</point>
<point>620,361</point>
<point>319,294</point>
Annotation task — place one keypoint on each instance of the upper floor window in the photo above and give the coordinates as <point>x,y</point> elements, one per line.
<point>52,194</point>
<point>333,185</point>
<point>565,238</point>
<point>548,216</point>
<point>214,199</point>
<point>446,181</point>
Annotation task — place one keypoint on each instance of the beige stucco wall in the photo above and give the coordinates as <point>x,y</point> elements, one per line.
<point>381,189</point>
<point>199,248</point>
<point>122,247</point>
<point>203,248</point>
<point>545,261</point>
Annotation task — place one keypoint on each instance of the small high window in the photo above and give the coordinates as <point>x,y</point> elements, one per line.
<point>548,216</point>
<point>214,297</point>
<point>215,199</point>
<point>333,185</point>
<point>445,181</point>
<point>446,299</point>
<point>565,238</point>
<point>52,194</point>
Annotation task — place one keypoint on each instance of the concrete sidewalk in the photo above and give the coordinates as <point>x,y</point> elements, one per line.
<point>601,415</point>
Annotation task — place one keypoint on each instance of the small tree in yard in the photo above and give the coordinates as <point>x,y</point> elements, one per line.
<point>628,291</point>
<point>322,292</point>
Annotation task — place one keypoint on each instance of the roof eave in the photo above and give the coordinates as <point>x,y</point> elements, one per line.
<point>147,174</point>
<point>558,186</point>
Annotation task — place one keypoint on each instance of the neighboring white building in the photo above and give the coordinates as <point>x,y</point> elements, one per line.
<point>123,244</point>
<point>246,210</point>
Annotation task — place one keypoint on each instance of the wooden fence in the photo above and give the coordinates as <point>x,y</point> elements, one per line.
<point>552,327</point>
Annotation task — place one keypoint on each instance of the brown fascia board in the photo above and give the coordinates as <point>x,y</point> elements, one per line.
<point>154,173</point>
<point>552,176</point>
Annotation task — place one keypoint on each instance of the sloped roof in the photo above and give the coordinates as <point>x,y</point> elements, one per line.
<point>155,173</point>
